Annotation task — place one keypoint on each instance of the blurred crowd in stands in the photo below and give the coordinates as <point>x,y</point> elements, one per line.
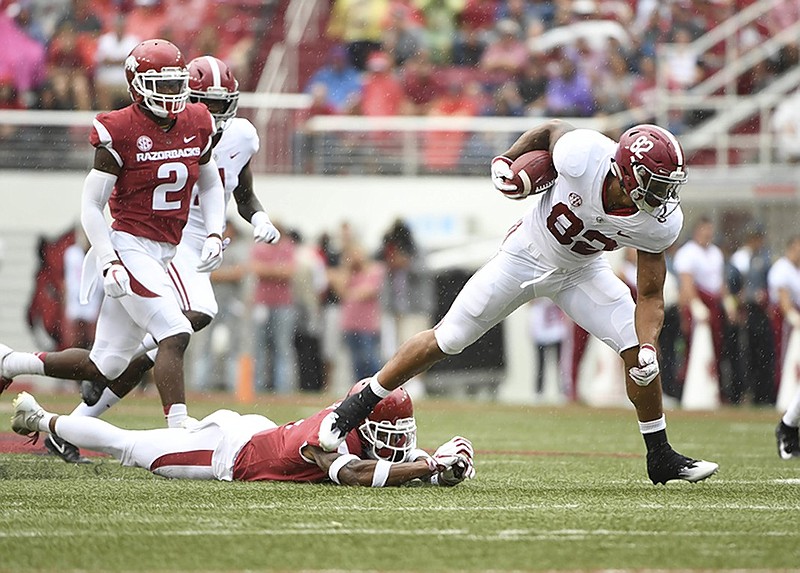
<point>69,54</point>
<point>389,57</point>
<point>576,58</point>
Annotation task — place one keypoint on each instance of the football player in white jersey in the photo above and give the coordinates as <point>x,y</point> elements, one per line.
<point>607,195</point>
<point>212,83</point>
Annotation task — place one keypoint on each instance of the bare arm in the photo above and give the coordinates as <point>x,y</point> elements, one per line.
<point>360,472</point>
<point>650,276</point>
<point>246,201</point>
<point>543,136</point>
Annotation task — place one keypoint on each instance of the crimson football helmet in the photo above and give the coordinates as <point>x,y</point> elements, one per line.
<point>157,77</point>
<point>651,167</point>
<point>390,431</point>
<point>211,82</point>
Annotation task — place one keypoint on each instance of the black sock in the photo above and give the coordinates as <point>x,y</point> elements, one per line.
<point>355,408</point>
<point>656,440</point>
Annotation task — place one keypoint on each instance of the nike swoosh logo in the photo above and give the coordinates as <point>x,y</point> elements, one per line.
<point>234,154</point>
<point>188,139</point>
<point>60,447</point>
<point>621,234</point>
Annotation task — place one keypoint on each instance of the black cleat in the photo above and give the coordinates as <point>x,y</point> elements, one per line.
<point>788,441</point>
<point>64,450</point>
<point>91,392</point>
<point>665,464</point>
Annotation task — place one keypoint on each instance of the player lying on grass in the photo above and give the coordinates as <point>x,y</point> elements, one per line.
<point>228,446</point>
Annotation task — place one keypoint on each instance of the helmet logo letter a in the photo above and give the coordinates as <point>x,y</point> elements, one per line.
<point>131,63</point>
<point>640,146</point>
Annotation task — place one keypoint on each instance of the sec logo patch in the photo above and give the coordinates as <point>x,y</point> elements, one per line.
<point>144,143</point>
<point>575,200</point>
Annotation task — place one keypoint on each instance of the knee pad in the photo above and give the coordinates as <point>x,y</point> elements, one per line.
<point>111,366</point>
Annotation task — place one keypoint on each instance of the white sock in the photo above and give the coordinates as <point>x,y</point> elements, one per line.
<point>376,387</point>
<point>176,415</point>
<point>654,425</point>
<point>93,434</point>
<point>44,423</point>
<point>792,415</point>
<point>107,399</point>
<point>18,363</point>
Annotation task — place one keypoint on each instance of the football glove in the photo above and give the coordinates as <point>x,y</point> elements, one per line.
<point>211,255</point>
<point>501,174</point>
<point>452,451</point>
<point>263,229</point>
<point>116,281</point>
<point>648,368</point>
<point>454,475</point>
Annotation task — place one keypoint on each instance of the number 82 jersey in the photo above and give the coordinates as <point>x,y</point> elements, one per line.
<point>569,225</point>
<point>158,168</point>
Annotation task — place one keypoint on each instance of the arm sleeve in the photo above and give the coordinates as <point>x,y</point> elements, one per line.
<point>212,197</point>
<point>97,189</point>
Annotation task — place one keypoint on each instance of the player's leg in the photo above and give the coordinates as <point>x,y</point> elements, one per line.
<point>600,302</point>
<point>786,432</point>
<point>489,296</point>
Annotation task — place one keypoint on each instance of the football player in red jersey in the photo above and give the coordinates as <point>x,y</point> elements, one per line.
<point>228,446</point>
<point>212,83</point>
<point>607,195</point>
<point>148,157</point>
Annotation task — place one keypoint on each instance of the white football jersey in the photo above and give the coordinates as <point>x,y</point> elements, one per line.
<point>569,227</point>
<point>706,265</point>
<point>783,274</point>
<point>239,142</point>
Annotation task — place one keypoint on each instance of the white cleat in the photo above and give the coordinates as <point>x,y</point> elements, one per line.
<point>698,471</point>
<point>27,415</point>
<point>330,436</point>
<point>5,381</point>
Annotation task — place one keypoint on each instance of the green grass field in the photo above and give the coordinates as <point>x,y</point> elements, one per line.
<point>561,488</point>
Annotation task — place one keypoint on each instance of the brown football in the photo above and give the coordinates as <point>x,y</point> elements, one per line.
<point>534,172</point>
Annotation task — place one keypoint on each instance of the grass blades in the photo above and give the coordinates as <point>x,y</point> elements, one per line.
<point>560,488</point>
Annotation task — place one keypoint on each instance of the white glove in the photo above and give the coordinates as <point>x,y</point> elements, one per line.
<point>211,255</point>
<point>793,318</point>
<point>263,229</point>
<point>648,369</point>
<point>699,311</point>
<point>501,174</point>
<point>460,471</point>
<point>116,282</point>
<point>457,449</point>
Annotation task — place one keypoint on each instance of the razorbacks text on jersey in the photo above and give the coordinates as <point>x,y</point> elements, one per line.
<point>274,454</point>
<point>238,144</point>
<point>158,168</point>
<point>569,225</point>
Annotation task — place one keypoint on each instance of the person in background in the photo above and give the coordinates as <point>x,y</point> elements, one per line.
<point>113,47</point>
<point>548,329</point>
<point>359,284</point>
<point>752,262</point>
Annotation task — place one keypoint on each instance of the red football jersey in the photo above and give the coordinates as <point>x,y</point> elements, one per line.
<point>274,454</point>
<point>159,168</point>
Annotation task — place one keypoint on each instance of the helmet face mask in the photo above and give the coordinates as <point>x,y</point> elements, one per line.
<point>390,432</point>
<point>390,441</point>
<point>650,165</point>
<point>212,83</point>
<point>157,78</point>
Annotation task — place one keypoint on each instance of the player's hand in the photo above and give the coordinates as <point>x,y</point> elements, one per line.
<point>699,311</point>
<point>455,450</point>
<point>455,474</point>
<point>502,174</point>
<point>116,281</point>
<point>211,255</point>
<point>263,229</point>
<point>648,368</point>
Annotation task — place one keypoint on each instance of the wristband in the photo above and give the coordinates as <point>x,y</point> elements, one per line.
<point>338,464</point>
<point>646,345</point>
<point>381,473</point>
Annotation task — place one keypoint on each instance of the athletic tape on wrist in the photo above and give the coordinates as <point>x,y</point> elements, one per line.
<point>338,464</point>
<point>381,473</point>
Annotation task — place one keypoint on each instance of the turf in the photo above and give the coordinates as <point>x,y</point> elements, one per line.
<point>561,488</point>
